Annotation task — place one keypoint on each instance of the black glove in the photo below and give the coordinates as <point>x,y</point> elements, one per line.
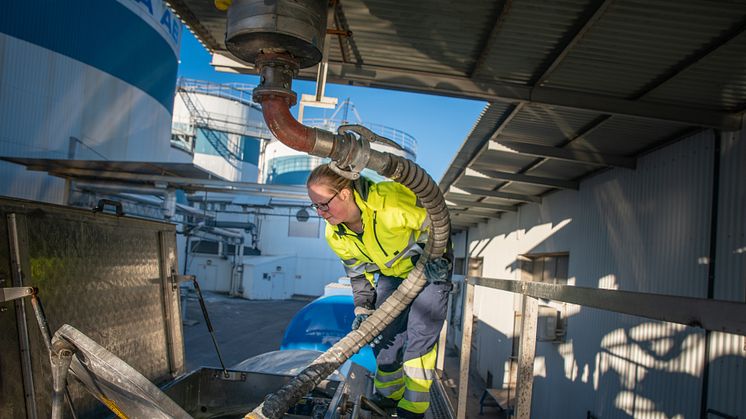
<point>438,270</point>
<point>359,319</point>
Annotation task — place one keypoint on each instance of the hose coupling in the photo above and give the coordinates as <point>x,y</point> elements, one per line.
<point>350,155</point>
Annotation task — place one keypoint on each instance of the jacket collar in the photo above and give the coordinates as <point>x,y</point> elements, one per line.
<point>360,191</point>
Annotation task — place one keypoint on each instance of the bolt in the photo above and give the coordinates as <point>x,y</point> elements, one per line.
<point>3,309</point>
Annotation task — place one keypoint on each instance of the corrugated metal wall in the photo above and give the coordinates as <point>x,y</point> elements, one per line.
<point>727,353</point>
<point>644,230</point>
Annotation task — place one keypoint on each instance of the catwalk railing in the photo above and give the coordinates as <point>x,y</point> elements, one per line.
<point>707,314</point>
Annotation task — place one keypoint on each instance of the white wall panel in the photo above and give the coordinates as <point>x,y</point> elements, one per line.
<point>640,230</point>
<point>727,353</point>
<point>727,378</point>
<point>730,283</point>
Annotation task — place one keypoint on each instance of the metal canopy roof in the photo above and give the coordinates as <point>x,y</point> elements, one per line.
<point>574,86</point>
<point>155,176</point>
<point>100,168</point>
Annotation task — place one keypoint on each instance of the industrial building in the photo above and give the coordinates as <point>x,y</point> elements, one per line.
<point>596,207</point>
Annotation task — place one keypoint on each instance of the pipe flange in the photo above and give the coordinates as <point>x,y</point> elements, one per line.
<point>276,73</point>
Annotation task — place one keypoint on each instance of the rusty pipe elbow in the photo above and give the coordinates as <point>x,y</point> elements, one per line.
<point>285,127</point>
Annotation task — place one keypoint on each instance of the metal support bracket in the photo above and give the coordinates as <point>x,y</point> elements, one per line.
<point>177,279</point>
<point>14,293</point>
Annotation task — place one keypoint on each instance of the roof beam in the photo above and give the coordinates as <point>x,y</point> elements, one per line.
<point>534,180</point>
<point>464,216</point>
<point>460,86</point>
<point>477,204</point>
<point>570,44</point>
<point>492,91</point>
<point>493,194</point>
<point>484,51</point>
<point>472,148</point>
<point>567,154</point>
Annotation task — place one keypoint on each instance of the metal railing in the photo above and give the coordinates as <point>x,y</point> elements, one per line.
<point>240,92</point>
<point>707,314</point>
<point>285,164</point>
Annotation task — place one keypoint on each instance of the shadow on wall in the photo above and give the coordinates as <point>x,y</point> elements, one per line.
<point>638,369</point>
<point>633,371</point>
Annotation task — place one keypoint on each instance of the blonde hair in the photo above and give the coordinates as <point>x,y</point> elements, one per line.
<point>323,175</point>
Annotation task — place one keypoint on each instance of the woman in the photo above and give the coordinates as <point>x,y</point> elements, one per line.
<point>379,228</point>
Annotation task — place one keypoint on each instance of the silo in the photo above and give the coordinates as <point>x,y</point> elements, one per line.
<point>221,127</point>
<point>84,80</point>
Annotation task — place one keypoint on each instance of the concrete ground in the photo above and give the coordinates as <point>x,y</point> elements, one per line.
<point>245,328</point>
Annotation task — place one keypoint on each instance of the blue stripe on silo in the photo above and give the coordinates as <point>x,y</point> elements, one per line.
<point>250,150</point>
<point>101,33</point>
<point>290,178</point>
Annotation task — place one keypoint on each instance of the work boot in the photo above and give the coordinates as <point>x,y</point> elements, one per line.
<point>383,402</point>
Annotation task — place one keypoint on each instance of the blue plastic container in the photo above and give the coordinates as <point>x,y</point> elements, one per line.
<point>321,324</point>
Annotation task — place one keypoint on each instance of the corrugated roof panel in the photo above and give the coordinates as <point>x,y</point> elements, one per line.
<point>561,169</point>
<point>525,189</point>
<point>530,32</point>
<point>502,161</point>
<point>477,182</point>
<point>546,125</point>
<point>718,81</point>
<point>434,36</point>
<point>636,42</point>
<point>626,136</point>
<point>492,115</point>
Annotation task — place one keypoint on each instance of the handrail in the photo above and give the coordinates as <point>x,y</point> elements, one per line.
<point>708,314</point>
<point>716,315</point>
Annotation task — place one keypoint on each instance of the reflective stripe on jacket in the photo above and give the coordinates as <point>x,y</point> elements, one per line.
<point>393,224</point>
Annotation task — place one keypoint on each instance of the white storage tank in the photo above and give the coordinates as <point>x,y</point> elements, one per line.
<point>91,79</point>
<point>221,126</point>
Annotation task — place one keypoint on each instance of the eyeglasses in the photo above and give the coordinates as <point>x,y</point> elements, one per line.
<point>325,205</point>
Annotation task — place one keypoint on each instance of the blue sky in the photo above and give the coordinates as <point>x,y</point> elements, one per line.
<point>439,124</point>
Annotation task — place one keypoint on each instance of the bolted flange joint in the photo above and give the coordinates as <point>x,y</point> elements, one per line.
<point>276,71</point>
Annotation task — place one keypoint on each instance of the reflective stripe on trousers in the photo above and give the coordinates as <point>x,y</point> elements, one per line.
<point>419,374</point>
<point>408,345</point>
<point>390,384</point>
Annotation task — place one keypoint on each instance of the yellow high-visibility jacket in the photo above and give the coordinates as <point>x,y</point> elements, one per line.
<point>393,225</point>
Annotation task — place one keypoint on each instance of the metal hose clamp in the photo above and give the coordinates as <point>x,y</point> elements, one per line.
<point>357,159</point>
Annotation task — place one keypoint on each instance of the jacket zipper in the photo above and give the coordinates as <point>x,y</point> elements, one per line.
<point>375,234</point>
<point>361,251</point>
